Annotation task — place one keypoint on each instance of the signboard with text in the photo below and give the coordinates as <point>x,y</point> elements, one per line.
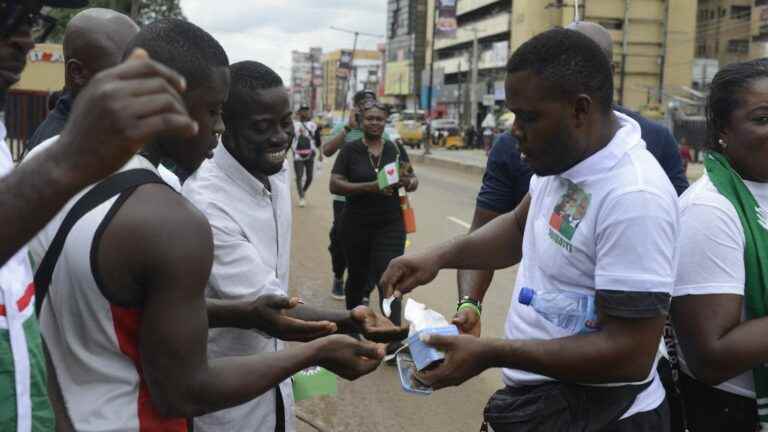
<point>446,24</point>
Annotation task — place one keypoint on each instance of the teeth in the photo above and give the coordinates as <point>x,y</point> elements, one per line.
<point>276,157</point>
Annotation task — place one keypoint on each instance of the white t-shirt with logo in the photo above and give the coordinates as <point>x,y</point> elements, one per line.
<point>713,263</point>
<point>608,223</point>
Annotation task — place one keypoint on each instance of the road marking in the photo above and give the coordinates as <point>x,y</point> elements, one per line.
<point>459,222</point>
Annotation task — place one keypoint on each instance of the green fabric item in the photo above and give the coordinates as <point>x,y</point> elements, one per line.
<point>731,186</point>
<point>42,414</point>
<point>314,381</point>
<point>353,135</point>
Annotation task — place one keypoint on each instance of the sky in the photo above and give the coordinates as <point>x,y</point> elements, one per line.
<point>268,30</point>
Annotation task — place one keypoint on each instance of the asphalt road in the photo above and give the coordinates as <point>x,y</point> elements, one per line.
<point>444,205</point>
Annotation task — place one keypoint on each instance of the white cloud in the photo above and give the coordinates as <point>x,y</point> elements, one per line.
<point>268,30</point>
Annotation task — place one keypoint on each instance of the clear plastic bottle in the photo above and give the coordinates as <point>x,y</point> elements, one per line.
<point>571,311</point>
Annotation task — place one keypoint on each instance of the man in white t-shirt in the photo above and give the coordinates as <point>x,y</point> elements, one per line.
<point>600,221</point>
<point>305,145</point>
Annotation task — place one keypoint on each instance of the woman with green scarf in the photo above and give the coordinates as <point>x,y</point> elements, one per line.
<point>721,290</point>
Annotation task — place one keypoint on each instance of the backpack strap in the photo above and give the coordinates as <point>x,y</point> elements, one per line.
<point>102,192</point>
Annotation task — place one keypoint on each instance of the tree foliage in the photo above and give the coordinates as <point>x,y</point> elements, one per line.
<point>142,11</point>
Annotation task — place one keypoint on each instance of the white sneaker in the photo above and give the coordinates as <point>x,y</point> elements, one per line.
<point>302,203</point>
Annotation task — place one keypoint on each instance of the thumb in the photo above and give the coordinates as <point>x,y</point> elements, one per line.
<point>370,350</point>
<point>283,302</point>
<point>459,319</point>
<point>139,54</point>
<point>442,343</point>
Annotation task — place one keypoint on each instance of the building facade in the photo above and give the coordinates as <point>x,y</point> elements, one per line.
<point>306,77</point>
<point>724,30</point>
<point>653,47</point>
<point>338,87</point>
<point>405,46</point>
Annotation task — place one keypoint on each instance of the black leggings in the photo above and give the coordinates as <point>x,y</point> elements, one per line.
<point>370,244</point>
<point>300,167</point>
<point>336,248</point>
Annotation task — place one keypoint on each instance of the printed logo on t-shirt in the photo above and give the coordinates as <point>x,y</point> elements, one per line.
<point>762,217</point>
<point>567,215</point>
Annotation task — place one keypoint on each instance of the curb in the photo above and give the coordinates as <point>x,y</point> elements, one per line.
<point>445,163</point>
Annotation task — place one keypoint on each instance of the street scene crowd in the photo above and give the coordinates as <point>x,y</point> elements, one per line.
<point>145,244</point>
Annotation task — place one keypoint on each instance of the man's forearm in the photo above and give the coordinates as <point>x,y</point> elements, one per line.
<point>474,283</point>
<point>32,194</point>
<point>496,245</point>
<point>232,381</point>
<point>594,358</point>
<point>332,146</point>
<point>229,313</point>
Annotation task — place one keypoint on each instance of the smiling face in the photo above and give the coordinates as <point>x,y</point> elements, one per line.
<point>543,124</point>
<point>204,105</point>
<point>260,133</point>
<point>746,132</point>
<point>374,121</point>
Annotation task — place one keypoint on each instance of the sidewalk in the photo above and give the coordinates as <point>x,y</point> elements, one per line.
<point>471,161</point>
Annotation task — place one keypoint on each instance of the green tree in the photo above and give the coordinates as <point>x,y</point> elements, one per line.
<point>142,11</point>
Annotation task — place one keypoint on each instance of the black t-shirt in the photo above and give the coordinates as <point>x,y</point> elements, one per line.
<point>356,165</point>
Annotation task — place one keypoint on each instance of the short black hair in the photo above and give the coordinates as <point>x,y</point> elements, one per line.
<point>249,76</point>
<point>182,46</point>
<point>363,95</point>
<point>569,60</point>
<point>725,93</point>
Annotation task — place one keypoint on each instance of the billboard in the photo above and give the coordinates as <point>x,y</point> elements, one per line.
<point>446,24</point>
<point>399,79</point>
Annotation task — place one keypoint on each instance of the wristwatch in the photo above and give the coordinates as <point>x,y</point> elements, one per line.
<point>469,301</point>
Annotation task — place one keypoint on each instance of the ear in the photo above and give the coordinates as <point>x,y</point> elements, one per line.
<point>77,75</point>
<point>582,108</point>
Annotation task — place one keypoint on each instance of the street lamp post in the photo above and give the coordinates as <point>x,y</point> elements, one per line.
<point>428,140</point>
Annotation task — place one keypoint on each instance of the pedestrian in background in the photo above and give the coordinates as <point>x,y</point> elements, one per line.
<point>373,232</point>
<point>344,133</point>
<point>306,142</point>
<point>719,308</point>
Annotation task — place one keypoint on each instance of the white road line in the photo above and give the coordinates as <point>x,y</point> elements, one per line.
<point>459,222</point>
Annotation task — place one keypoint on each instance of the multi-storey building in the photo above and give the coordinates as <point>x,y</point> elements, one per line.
<point>653,46</point>
<point>723,30</point>
<point>405,45</point>
<point>338,88</point>
<point>306,77</point>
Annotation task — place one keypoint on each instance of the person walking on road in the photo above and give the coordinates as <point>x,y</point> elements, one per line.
<point>720,306</point>
<point>306,145</point>
<point>599,223</point>
<point>344,133</point>
<point>373,232</point>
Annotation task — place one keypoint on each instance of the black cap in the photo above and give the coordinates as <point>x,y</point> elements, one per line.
<point>70,4</point>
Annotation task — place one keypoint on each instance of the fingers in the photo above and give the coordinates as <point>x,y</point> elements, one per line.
<point>139,65</point>
<point>388,334</point>
<point>304,331</point>
<point>148,106</point>
<point>166,123</point>
<point>370,350</point>
<point>440,342</point>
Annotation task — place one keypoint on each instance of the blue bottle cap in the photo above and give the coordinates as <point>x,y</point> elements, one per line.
<point>526,296</point>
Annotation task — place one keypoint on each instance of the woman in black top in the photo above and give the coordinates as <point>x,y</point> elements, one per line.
<point>373,232</point>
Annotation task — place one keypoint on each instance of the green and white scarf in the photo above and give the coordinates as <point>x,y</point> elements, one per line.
<point>731,186</point>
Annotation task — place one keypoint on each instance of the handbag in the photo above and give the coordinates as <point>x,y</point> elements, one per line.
<point>409,216</point>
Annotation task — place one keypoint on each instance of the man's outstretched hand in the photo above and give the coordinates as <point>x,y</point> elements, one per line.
<point>376,327</point>
<point>269,315</point>
<point>465,357</point>
<point>122,109</point>
<point>407,272</point>
<point>347,357</point>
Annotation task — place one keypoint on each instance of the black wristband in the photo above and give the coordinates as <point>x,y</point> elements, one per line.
<point>347,128</point>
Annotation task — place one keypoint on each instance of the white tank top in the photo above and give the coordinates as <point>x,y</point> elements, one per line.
<point>94,343</point>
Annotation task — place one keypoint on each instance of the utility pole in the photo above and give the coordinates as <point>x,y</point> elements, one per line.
<point>354,69</point>
<point>428,140</point>
<point>624,49</point>
<point>473,82</point>
<point>135,8</point>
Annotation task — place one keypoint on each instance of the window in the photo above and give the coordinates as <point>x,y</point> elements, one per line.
<point>701,50</point>
<point>611,24</point>
<point>738,46</point>
<point>741,12</point>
